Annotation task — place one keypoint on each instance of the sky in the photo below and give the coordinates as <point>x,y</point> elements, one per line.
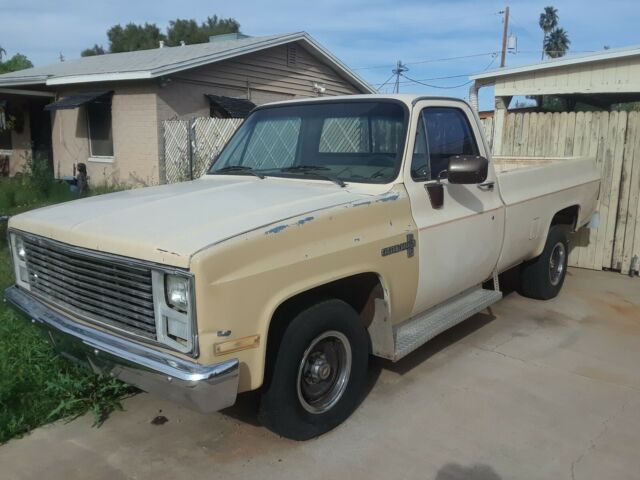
<point>369,36</point>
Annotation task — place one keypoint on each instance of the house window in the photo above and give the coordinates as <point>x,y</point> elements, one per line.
<point>5,139</point>
<point>5,131</point>
<point>100,133</point>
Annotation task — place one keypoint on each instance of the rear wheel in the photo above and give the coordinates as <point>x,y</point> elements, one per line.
<point>319,373</point>
<point>543,277</point>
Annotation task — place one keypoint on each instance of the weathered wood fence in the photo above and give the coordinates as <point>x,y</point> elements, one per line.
<point>613,138</point>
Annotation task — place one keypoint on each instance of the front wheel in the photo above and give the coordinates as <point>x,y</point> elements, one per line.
<point>543,277</point>
<point>319,373</point>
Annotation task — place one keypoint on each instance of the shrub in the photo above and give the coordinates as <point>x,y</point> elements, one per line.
<point>38,176</point>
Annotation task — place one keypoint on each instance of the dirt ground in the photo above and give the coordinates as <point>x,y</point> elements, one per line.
<point>529,390</point>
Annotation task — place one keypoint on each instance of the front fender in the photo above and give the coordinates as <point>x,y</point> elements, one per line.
<point>241,282</point>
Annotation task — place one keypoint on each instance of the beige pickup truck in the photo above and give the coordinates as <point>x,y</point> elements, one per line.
<point>327,230</point>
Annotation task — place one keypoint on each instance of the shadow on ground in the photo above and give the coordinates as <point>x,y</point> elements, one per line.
<point>478,471</point>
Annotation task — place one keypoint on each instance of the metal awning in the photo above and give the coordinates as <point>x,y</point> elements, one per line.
<point>229,106</point>
<point>77,100</point>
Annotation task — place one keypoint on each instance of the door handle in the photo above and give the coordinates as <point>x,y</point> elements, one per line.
<point>487,185</point>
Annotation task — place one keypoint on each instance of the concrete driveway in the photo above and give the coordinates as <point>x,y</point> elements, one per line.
<point>531,390</point>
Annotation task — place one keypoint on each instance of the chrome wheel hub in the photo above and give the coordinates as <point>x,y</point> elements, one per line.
<point>318,370</point>
<point>557,263</point>
<point>323,373</point>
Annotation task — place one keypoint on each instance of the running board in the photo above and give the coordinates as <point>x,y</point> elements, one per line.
<point>397,342</point>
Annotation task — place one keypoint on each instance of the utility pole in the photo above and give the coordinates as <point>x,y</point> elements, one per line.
<point>398,71</point>
<point>505,32</point>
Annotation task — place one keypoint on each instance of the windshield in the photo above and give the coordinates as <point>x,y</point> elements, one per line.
<point>340,141</point>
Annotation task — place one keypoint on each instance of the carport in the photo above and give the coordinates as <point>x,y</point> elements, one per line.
<point>593,115</point>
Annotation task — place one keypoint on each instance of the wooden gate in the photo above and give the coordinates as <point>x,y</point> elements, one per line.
<point>613,138</point>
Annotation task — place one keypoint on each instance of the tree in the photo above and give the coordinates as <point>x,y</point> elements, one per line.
<point>142,37</point>
<point>548,21</point>
<point>190,32</point>
<point>95,50</point>
<point>134,37</point>
<point>15,63</point>
<point>3,52</point>
<point>557,43</point>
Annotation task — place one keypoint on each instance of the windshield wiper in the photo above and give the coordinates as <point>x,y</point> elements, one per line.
<point>239,169</point>
<point>311,170</point>
<point>297,168</point>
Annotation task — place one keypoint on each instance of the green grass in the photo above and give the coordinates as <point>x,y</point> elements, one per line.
<point>36,385</point>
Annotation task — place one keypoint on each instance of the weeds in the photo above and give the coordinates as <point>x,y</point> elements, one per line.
<point>36,385</point>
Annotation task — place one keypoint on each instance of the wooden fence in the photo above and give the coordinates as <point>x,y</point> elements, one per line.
<point>613,138</point>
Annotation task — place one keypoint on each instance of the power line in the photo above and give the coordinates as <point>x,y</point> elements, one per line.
<point>431,60</point>
<point>443,87</point>
<point>437,86</point>
<point>385,82</point>
<point>425,79</point>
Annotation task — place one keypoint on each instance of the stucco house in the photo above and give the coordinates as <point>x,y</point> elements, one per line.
<point>106,111</point>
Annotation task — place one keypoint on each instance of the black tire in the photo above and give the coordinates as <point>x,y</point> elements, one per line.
<point>283,404</point>
<point>543,277</point>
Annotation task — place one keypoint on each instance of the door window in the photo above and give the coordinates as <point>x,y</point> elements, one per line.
<point>448,134</point>
<point>420,159</point>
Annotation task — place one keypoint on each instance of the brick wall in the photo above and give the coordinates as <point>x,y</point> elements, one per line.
<point>135,137</point>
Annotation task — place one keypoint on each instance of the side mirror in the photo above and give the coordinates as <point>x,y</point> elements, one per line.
<point>467,169</point>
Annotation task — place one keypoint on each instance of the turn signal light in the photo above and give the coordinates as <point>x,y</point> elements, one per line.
<point>236,345</point>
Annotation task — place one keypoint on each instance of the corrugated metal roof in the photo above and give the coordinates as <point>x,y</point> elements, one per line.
<point>145,64</point>
<point>604,55</point>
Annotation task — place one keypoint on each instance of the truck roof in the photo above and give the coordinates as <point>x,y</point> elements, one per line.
<point>407,98</point>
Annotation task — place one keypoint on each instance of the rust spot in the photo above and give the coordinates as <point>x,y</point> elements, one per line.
<point>277,229</point>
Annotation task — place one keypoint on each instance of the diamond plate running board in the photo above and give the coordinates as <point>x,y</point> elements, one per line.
<point>416,331</point>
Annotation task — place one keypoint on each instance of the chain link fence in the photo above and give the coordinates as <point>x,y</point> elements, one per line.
<point>191,145</point>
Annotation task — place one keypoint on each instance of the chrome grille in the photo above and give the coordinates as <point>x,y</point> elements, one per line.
<point>94,287</point>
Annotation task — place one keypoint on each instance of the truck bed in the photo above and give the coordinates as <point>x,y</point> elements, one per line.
<point>532,188</point>
<point>510,163</point>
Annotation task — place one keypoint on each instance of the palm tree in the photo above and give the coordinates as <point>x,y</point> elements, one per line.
<point>548,21</point>
<point>3,52</point>
<point>557,43</point>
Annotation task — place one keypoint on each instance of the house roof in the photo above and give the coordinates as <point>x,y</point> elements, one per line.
<point>148,64</point>
<point>604,55</point>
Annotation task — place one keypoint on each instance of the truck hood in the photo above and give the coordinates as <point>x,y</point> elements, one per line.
<point>169,223</point>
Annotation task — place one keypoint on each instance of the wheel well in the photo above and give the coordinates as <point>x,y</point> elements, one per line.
<point>567,216</point>
<point>359,291</point>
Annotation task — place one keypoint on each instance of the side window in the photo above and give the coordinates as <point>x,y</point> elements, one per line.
<point>100,136</point>
<point>448,134</point>
<point>419,163</point>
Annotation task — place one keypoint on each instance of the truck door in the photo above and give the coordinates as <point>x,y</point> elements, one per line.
<point>459,243</point>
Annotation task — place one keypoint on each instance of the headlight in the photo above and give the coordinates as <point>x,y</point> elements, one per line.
<point>174,310</point>
<point>177,292</point>
<point>20,250</point>
<point>19,256</point>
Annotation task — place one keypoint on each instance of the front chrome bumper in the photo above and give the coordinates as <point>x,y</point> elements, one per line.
<point>205,388</point>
